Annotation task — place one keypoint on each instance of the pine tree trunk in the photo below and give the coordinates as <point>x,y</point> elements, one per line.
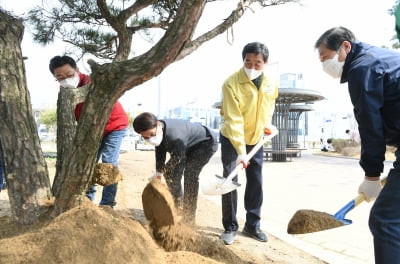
<point>66,128</point>
<point>25,167</point>
<point>79,158</point>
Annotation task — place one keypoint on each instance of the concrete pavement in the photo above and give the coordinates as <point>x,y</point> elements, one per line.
<point>316,182</point>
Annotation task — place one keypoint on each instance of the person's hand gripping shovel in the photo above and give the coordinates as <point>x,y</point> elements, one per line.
<point>219,185</point>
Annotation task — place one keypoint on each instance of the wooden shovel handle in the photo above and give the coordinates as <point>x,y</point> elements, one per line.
<point>361,197</point>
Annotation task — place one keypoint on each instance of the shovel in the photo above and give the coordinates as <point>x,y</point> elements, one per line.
<point>350,206</point>
<point>220,185</point>
<point>308,221</point>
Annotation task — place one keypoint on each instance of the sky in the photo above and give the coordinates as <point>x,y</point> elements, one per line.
<point>289,31</point>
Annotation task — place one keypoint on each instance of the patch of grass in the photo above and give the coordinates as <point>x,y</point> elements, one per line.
<point>352,149</point>
<point>344,145</point>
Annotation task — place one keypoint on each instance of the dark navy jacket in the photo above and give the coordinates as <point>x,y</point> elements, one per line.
<point>373,76</point>
<point>178,137</point>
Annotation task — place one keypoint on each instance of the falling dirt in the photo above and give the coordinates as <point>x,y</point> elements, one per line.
<point>106,174</point>
<point>308,221</point>
<point>158,204</point>
<point>159,209</point>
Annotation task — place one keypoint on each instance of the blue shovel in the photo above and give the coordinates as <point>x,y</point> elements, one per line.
<point>309,221</point>
<point>350,206</point>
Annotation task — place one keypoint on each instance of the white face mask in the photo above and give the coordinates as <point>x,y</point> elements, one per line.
<point>70,82</point>
<point>333,66</point>
<point>252,73</point>
<point>156,140</point>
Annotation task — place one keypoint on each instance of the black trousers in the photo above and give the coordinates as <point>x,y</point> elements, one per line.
<point>190,167</point>
<point>384,218</point>
<point>253,196</point>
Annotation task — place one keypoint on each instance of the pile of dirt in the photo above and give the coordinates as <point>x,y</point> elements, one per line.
<point>183,238</point>
<point>90,234</point>
<point>159,209</point>
<point>99,234</point>
<point>308,221</point>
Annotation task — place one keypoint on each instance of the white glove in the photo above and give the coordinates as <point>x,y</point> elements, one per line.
<point>242,159</point>
<point>270,129</point>
<point>370,189</point>
<point>158,176</point>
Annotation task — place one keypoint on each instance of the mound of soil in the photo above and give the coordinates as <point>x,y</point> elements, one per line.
<point>159,209</point>
<point>183,238</point>
<point>308,221</point>
<point>90,234</point>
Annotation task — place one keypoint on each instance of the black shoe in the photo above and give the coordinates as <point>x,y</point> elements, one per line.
<point>255,233</point>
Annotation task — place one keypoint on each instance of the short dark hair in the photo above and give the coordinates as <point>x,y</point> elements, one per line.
<point>59,61</point>
<point>334,37</point>
<point>256,48</point>
<point>144,121</point>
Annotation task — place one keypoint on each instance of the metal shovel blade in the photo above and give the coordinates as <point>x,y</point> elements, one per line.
<point>219,185</point>
<point>340,215</point>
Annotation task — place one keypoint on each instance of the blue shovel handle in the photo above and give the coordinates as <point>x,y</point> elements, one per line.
<point>348,207</point>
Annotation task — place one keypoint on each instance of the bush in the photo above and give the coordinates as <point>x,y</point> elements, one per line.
<point>346,147</point>
<point>353,149</point>
<point>339,144</point>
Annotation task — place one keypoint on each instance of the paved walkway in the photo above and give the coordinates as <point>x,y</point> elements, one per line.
<point>316,182</point>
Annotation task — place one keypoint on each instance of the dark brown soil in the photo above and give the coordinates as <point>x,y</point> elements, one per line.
<point>88,234</point>
<point>159,209</point>
<point>308,221</point>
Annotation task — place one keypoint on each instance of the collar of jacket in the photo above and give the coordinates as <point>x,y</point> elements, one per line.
<point>356,49</point>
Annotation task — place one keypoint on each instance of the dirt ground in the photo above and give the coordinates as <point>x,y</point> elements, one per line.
<point>93,234</point>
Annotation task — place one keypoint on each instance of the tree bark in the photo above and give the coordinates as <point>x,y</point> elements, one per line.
<point>79,157</point>
<point>66,129</point>
<point>25,167</point>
